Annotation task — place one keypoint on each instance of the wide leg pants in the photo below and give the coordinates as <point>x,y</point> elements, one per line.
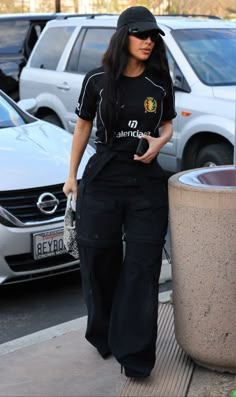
<point>121,286</point>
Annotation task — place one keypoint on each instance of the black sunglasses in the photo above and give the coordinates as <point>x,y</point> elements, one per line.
<point>153,34</point>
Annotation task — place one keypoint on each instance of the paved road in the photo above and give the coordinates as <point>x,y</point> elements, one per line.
<point>36,305</point>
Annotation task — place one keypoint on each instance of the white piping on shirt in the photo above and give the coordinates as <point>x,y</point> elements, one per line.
<point>156,85</point>
<point>93,75</point>
<point>100,113</point>
<point>172,90</point>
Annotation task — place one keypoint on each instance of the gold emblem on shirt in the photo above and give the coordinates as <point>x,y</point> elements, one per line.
<point>150,105</point>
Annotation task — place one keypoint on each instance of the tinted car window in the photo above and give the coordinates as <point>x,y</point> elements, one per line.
<point>211,53</point>
<point>50,48</point>
<point>88,56</point>
<point>73,62</point>
<point>12,36</point>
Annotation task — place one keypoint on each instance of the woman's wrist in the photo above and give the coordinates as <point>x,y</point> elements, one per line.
<point>161,141</point>
<point>72,176</point>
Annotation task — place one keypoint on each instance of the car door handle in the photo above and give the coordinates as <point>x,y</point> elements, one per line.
<point>64,86</point>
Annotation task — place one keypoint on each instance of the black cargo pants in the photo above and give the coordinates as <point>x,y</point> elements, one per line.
<point>121,288</point>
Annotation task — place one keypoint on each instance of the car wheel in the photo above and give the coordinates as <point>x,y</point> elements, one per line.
<point>215,154</point>
<point>53,119</point>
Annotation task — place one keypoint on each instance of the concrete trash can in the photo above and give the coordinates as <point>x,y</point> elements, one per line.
<point>203,250</point>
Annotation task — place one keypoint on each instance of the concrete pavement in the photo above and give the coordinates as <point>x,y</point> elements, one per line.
<point>58,361</point>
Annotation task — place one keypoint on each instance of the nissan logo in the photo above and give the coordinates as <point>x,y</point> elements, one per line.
<point>47,203</point>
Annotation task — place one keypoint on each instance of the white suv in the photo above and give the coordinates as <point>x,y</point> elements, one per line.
<point>202,59</point>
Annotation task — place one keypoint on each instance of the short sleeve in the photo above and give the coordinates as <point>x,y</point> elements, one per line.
<point>169,111</point>
<point>86,107</point>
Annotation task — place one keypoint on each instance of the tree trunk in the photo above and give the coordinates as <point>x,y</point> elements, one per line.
<point>58,5</point>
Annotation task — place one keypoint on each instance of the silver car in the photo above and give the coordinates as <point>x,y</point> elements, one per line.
<point>34,163</point>
<point>202,58</point>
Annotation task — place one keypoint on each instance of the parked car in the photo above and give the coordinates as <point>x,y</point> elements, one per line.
<point>202,59</point>
<point>34,163</point>
<point>19,33</point>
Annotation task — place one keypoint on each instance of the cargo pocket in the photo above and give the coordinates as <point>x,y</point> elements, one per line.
<point>99,221</point>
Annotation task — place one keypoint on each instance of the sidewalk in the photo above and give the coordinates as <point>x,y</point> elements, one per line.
<point>58,361</point>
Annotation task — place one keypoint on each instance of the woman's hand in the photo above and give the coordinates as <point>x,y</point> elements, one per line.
<point>71,186</point>
<point>155,144</point>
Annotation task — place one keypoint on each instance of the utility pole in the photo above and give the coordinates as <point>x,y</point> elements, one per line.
<point>57,5</point>
<point>168,6</point>
<point>76,6</point>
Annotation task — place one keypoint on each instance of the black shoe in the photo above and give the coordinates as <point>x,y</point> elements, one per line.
<point>132,373</point>
<point>104,354</point>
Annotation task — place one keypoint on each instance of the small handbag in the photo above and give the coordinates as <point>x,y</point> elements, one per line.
<point>70,232</point>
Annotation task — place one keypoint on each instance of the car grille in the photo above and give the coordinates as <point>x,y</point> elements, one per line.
<point>26,262</point>
<point>23,203</point>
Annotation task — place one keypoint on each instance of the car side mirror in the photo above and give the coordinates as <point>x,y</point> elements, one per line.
<point>180,83</point>
<point>28,105</point>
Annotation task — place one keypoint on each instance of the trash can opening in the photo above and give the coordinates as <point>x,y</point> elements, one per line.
<point>219,176</point>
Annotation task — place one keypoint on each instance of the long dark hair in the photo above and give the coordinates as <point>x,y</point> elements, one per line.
<point>115,60</point>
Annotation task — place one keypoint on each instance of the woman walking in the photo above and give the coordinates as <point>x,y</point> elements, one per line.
<point>123,192</point>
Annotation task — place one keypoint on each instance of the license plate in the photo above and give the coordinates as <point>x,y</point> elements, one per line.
<point>46,244</point>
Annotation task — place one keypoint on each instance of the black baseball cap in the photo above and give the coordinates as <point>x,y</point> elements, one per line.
<point>138,19</point>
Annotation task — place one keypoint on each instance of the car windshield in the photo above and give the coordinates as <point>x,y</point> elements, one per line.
<point>211,53</point>
<point>9,117</point>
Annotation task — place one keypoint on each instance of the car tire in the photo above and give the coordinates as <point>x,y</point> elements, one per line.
<point>53,119</point>
<point>215,154</point>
